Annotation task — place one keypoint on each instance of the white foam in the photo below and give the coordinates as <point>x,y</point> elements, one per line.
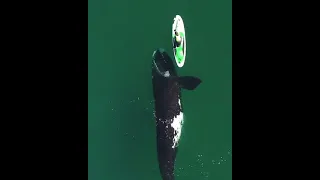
<point>177,126</point>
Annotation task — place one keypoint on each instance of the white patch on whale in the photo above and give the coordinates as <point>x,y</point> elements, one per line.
<point>166,74</point>
<point>177,126</point>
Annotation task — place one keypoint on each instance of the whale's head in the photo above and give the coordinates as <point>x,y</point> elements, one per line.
<point>162,64</point>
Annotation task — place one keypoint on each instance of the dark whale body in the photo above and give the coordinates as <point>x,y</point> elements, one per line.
<point>168,109</point>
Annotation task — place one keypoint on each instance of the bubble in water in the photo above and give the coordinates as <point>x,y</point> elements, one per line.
<point>206,174</point>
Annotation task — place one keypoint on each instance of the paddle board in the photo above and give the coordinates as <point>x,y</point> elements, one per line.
<point>179,51</point>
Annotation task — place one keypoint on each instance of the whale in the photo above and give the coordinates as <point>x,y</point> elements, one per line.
<point>168,109</point>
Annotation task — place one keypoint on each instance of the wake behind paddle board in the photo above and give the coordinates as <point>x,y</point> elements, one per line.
<point>180,51</point>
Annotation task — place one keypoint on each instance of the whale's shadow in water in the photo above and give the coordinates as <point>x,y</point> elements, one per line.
<point>134,141</point>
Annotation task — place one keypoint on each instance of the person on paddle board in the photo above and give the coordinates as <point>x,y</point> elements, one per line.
<point>177,44</point>
<point>177,39</point>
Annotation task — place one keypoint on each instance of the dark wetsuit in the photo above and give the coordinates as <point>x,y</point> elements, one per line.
<point>175,43</point>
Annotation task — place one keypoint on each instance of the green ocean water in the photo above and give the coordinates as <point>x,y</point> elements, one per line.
<point>121,126</point>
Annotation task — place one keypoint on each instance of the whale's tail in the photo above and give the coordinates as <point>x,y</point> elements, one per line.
<point>166,158</point>
<point>167,170</point>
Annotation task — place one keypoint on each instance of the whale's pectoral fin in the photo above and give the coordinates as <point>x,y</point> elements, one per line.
<point>189,82</point>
